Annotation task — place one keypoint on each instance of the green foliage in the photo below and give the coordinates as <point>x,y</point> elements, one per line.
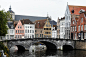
<point>3,21</point>
<point>6,50</point>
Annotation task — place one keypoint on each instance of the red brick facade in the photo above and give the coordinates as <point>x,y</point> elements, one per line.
<point>81,26</point>
<point>73,28</point>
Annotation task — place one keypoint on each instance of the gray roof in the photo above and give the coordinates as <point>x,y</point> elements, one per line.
<point>10,25</point>
<point>52,22</point>
<point>10,10</point>
<point>31,18</point>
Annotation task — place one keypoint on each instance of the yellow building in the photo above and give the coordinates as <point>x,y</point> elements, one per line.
<point>47,29</point>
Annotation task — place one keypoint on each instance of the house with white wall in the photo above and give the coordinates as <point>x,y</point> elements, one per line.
<point>62,28</point>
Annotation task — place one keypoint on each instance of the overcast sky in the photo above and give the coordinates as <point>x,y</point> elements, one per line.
<point>54,8</point>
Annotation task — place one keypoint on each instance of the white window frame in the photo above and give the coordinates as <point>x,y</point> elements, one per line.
<point>81,27</point>
<point>85,27</point>
<point>81,20</point>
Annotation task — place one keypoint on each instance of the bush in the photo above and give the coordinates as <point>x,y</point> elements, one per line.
<point>3,47</point>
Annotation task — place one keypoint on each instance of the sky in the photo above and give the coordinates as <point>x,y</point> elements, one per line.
<point>54,8</point>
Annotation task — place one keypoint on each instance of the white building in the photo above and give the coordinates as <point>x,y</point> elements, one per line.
<point>54,28</point>
<point>10,32</point>
<point>54,32</point>
<point>29,28</point>
<point>67,22</point>
<point>62,28</point>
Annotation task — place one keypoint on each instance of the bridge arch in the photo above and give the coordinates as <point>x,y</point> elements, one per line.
<point>49,44</point>
<point>67,47</point>
<point>20,48</point>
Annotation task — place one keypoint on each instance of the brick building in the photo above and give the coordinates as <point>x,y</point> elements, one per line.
<point>73,28</point>
<point>81,25</point>
<point>39,24</point>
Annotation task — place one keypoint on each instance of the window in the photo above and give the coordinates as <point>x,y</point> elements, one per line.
<point>81,20</point>
<point>84,27</point>
<point>35,30</point>
<point>75,28</point>
<point>20,36</point>
<point>18,26</point>
<point>28,26</point>
<point>25,31</point>
<point>79,28</point>
<point>20,31</point>
<point>16,31</point>
<point>73,22</point>
<point>32,31</point>
<point>75,35</point>
<point>46,25</point>
<point>47,21</point>
<point>40,35</point>
<point>16,36</point>
<point>11,31</point>
<point>28,31</point>
<point>71,28</point>
<point>41,31</point>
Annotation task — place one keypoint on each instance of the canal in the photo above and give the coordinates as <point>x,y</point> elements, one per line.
<point>49,53</point>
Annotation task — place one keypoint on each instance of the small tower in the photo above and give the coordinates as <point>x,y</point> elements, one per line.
<point>12,14</point>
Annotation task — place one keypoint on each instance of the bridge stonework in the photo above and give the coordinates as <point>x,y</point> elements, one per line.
<point>80,45</point>
<point>27,43</point>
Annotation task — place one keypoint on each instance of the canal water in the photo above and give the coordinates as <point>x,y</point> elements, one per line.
<point>50,53</point>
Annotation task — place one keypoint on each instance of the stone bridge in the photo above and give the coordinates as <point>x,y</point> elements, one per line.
<point>49,42</point>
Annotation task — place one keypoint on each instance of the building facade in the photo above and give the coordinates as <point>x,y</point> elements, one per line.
<point>53,28</point>
<point>47,29</point>
<point>73,28</point>
<point>68,13</point>
<point>58,28</point>
<point>39,24</point>
<point>10,32</point>
<point>81,25</point>
<point>29,28</point>
<point>62,28</point>
<point>19,30</point>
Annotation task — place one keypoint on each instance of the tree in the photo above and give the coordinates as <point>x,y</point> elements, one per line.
<point>3,22</point>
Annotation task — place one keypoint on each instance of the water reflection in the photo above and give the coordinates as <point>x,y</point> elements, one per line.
<point>50,53</point>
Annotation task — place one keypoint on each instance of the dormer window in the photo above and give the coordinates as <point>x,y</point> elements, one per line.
<point>73,22</point>
<point>12,26</point>
<point>81,20</point>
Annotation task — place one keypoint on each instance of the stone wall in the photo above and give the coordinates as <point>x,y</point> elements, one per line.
<point>80,45</point>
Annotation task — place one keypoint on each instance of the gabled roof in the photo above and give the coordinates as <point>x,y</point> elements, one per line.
<point>76,9</point>
<point>40,23</point>
<point>26,21</point>
<point>52,22</point>
<point>31,18</point>
<point>10,25</point>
